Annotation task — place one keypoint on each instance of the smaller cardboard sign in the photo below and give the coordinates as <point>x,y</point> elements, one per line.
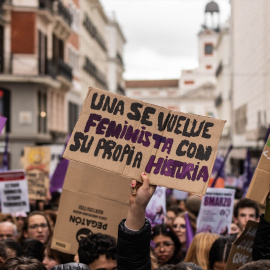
<point>37,166</point>
<point>156,208</point>
<point>128,137</point>
<point>14,192</point>
<point>260,183</point>
<point>241,251</point>
<point>216,211</point>
<point>92,201</point>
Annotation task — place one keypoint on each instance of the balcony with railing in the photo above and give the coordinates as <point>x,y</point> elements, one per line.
<point>64,70</point>
<point>63,12</point>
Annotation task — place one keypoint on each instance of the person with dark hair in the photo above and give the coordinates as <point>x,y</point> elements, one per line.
<point>258,265</point>
<point>98,251</point>
<point>219,253</point>
<point>23,263</point>
<point>166,244</point>
<point>51,216</point>
<point>54,257</point>
<point>72,266</point>
<point>3,253</point>
<point>245,210</point>
<point>13,248</point>
<point>32,248</point>
<point>181,266</point>
<point>36,226</point>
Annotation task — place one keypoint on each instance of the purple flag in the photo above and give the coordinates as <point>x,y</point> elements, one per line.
<point>2,123</point>
<point>5,163</point>
<point>58,177</point>
<point>221,167</point>
<point>248,173</point>
<point>189,231</point>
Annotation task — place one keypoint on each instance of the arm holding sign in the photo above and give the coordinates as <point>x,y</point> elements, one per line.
<point>134,233</point>
<point>261,248</point>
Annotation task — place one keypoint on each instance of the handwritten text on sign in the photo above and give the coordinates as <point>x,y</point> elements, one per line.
<point>14,191</point>
<point>128,137</point>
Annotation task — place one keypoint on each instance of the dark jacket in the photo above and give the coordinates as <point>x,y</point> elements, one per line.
<point>133,248</point>
<point>261,247</point>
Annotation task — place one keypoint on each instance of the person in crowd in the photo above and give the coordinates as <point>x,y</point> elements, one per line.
<point>181,266</point>
<point>261,247</point>
<point>257,265</point>
<point>199,248</point>
<point>245,210</point>
<point>23,263</point>
<point>33,248</point>
<point>36,226</point>
<point>20,218</point>
<point>3,253</point>
<point>171,215</point>
<point>134,232</point>
<point>98,251</point>
<point>8,230</point>
<point>193,205</point>
<point>219,253</point>
<point>72,266</point>
<point>179,226</point>
<point>51,216</point>
<point>166,244</point>
<point>13,248</point>
<point>54,257</point>
<point>234,229</point>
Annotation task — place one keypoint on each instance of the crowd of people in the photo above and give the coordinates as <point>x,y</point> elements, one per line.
<point>25,239</point>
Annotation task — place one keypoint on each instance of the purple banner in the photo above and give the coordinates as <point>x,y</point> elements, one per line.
<point>3,121</point>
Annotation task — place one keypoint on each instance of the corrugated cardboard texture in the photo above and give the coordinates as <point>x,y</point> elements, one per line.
<point>260,183</point>
<point>92,201</point>
<point>177,153</point>
<point>241,251</point>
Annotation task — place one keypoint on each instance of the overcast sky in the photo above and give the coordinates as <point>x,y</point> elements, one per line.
<point>161,34</point>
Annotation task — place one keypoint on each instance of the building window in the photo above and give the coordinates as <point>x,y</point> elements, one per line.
<point>73,114</point>
<point>42,53</point>
<point>42,112</point>
<point>73,59</point>
<point>5,106</point>
<point>208,48</point>
<point>75,15</point>
<point>208,67</point>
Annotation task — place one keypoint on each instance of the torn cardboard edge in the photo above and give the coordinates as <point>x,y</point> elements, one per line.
<point>260,184</point>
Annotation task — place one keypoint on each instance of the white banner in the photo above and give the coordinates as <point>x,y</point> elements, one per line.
<point>216,211</point>
<point>156,208</point>
<point>14,191</point>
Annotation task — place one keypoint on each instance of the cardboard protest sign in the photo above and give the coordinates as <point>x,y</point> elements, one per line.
<point>36,164</point>
<point>127,137</point>
<point>92,201</point>
<point>241,251</point>
<point>14,191</point>
<point>260,183</point>
<point>216,211</point>
<point>156,208</point>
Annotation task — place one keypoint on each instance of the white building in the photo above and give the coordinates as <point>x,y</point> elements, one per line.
<point>116,42</point>
<point>195,92</point>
